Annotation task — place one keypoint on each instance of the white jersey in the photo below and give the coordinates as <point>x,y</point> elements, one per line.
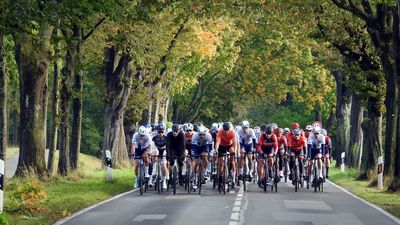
<point>246,137</point>
<point>143,143</point>
<point>316,141</point>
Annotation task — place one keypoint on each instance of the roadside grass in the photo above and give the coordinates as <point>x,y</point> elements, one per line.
<point>66,195</point>
<point>390,201</point>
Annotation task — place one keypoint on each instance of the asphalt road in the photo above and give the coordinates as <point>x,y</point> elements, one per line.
<point>332,207</point>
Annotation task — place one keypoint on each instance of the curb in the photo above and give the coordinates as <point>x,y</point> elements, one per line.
<point>66,219</point>
<point>386,213</point>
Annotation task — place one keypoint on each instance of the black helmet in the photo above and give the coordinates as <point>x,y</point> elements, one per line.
<point>226,126</point>
<point>268,130</point>
<point>195,127</point>
<point>262,128</point>
<point>175,128</point>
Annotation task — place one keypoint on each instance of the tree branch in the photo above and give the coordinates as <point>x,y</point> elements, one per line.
<point>96,26</point>
<point>351,7</point>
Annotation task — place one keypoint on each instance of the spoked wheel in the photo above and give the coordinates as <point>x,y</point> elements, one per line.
<point>141,184</point>
<point>244,174</point>
<point>200,178</point>
<point>265,177</point>
<point>174,180</point>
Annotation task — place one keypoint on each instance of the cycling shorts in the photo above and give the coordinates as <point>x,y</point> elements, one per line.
<point>139,152</point>
<point>248,148</point>
<point>222,150</point>
<point>198,150</point>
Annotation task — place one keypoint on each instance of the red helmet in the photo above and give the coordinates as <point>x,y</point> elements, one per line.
<point>295,126</point>
<point>278,131</point>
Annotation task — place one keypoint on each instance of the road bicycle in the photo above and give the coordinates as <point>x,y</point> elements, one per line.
<point>275,174</point>
<point>317,182</point>
<point>142,180</point>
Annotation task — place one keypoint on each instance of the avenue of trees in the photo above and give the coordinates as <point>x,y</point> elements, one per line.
<point>80,75</point>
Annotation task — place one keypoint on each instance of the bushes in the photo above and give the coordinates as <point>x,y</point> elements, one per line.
<point>29,197</point>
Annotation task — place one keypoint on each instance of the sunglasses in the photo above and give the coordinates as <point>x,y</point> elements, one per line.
<point>268,133</point>
<point>160,131</point>
<point>189,131</point>
<point>142,136</point>
<point>202,134</point>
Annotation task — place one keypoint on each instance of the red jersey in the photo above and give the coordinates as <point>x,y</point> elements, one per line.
<point>296,145</point>
<point>282,142</point>
<point>265,142</point>
<point>226,139</point>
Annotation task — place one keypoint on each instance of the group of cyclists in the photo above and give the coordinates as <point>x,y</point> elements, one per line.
<point>239,153</point>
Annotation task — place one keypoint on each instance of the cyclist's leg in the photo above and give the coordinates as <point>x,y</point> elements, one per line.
<point>319,158</point>
<point>300,157</point>
<point>204,156</point>
<point>270,163</point>
<point>249,151</point>
<point>280,161</point>
<point>260,167</point>
<point>327,162</point>
<point>241,161</point>
<point>232,161</point>
<point>291,163</point>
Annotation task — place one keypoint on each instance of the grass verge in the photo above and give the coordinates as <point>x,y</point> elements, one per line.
<point>387,200</point>
<point>66,195</point>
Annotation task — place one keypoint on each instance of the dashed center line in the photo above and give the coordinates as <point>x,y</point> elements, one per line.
<point>237,217</point>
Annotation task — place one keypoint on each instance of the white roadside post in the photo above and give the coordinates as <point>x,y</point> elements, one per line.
<point>342,164</point>
<point>1,184</point>
<point>108,164</point>
<point>380,172</point>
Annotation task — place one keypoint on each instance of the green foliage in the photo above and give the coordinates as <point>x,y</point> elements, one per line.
<point>4,219</point>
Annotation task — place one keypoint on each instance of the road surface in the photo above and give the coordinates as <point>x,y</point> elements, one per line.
<point>332,207</point>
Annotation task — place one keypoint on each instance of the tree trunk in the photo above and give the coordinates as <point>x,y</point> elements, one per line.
<point>3,101</point>
<point>77,103</point>
<point>118,81</point>
<point>165,111</point>
<point>67,74</point>
<point>175,111</point>
<point>14,129</point>
<point>343,105</point>
<point>330,121</point>
<point>33,64</point>
<point>372,139</point>
<point>155,116</point>
<point>356,133</point>
<point>54,113</point>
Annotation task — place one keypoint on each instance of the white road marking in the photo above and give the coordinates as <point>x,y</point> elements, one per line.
<point>395,219</point>
<point>233,223</point>
<point>141,218</point>
<point>182,197</point>
<point>236,209</point>
<point>238,203</point>
<point>235,216</point>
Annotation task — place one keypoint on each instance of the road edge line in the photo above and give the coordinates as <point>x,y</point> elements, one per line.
<point>386,213</point>
<point>66,219</point>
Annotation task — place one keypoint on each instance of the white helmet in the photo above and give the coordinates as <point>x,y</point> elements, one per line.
<point>324,132</point>
<point>202,130</point>
<point>316,130</point>
<point>142,130</point>
<point>309,128</point>
<point>214,127</point>
<point>274,126</point>
<point>245,124</point>
<point>188,126</point>
<point>286,129</point>
<point>237,128</point>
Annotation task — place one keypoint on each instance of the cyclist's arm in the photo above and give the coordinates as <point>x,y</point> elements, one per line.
<point>217,142</point>
<point>275,145</point>
<point>260,143</point>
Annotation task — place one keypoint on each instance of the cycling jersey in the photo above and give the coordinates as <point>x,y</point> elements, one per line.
<point>160,141</point>
<point>296,145</point>
<point>282,142</point>
<point>201,144</point>
<point>328,145</point>
<point>142,143</point>
<point>226,139</point>
<point>267,145</point>
<point>316,144</point>
<point>246,137</point>
<point>188,140</point>
<point>175,147</point>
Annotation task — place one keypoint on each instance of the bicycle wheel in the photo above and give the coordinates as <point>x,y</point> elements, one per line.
<point>244,172</point>
<point>141,175</point>
<point>276,176</point>
<point>315,180</point>
<point>266,176</point>
<point>174,179</point>
<point>188,177</point>
<point>294,177</point>
<point>200,177</point>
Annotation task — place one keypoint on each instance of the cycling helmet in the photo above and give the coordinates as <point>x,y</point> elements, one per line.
<point>142,130</point>
<point>237,128</point>
<point>256,128</point>
<point>268,130</point>
<point>188,126</point>
<point>202,130</point>
<point>263,127</point>
<point>296,132</point>
<point>160,127</point>
<point>274,126</point>
<point>286,130</point>
<point>245,124</point>
<point>324,132</point>
<point>316,130</point>
<point>226,126</point>
<point>308,128</point>
<point>195,127</point>
<point>278,131</point>
<point>214,127</point>
<point>175,128</point>
<point>295,125</point>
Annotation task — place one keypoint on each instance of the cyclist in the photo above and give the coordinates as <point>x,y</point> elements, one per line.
<point>201,146</point>
<point>247,141</point>
<point>297,147</point>
<point>160,142</point>
<point>267,147</point>
<point>141,145</point>
<point>176,148</point>
<point>286,132</point>
<point>282,148</point>
<point>226,141</point>
<point>328,151</point>
<point>257,131</point>
<point>316,145</point>
<point>307,131</point>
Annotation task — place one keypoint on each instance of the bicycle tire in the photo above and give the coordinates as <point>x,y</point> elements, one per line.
<point>296,187</point>
<point>174,180</point>
<point>244,172</point>
<point>266,176</point>
<point>200,178</point>
<point>141,182</point>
